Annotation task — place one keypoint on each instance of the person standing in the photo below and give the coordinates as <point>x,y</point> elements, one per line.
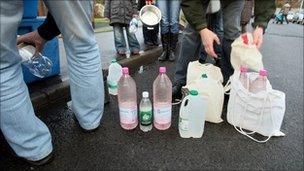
<point>285,10</point>
<point>195,14</point>
<point>169,27</point>
<point>120,13</point>
<point>28,136</point>
<point>150,33</point>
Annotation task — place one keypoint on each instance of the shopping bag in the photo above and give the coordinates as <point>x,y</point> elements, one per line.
<point>261,112</point>
<point>207,80</point>
<point>245,52</point>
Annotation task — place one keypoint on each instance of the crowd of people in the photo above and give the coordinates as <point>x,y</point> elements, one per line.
<point>209,30</point>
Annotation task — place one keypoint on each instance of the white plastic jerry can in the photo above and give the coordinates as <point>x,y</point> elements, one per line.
<point>192,116</point>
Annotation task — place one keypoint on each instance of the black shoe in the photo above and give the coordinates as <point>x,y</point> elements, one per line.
<point>173,43</point>
<point>43,161</point>
<point>171,56</point>
<point>177,93</point>
<point>165,42</point>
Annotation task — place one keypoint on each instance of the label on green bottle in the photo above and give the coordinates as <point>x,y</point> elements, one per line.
<point>146,117</point>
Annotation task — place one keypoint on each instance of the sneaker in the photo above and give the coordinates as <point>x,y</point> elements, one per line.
<point>43,161</point>
<point>135,53</point>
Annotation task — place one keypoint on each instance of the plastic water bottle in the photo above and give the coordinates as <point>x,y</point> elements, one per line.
<point>192,116</point>
<point>133,26</point>
<point>145,112</point>
<point>127,101</point>
<point>38,65</point>
<point>243,76</point>
<point>162,99</point>
<point>115,72</point>
<point>259,84</point>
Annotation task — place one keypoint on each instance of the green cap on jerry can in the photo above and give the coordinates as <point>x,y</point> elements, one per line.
<point>193,93</point>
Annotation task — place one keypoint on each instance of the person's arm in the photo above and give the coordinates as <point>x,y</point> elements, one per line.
<point>195,13</point>
<point>107,9</point>
<point>263,10</point>
<point>48,30</point>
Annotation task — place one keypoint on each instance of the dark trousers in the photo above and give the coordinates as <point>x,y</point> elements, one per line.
<point>151,34</point>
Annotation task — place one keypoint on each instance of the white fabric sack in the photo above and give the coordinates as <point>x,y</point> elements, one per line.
<point>261,113</point>
<point>210,88</point>
<point>244,52</point>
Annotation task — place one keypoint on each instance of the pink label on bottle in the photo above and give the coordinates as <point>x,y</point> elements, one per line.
<point>128,115</point>
<point>162,115</point>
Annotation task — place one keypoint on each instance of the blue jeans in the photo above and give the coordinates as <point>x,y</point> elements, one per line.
<point>120,42</point>
<point>170,15</point>
<point>26,134</point>
<point>191,47</point>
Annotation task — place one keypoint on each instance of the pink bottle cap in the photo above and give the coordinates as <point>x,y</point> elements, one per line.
<point>125,70</point>
<point>162,70</point>
<point>244,68</point>
<point>263,72</point>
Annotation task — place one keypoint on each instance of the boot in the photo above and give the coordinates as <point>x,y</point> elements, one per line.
<point>173,42</point>
<point>165,41</point>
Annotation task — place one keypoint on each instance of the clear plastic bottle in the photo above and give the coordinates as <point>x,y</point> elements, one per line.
<point>192,116</point>
<point>127,101</point>
<point>38,65</point>
<point>259,84</point>
<point>115,72</point>
<point>145,112</point>
<point>162,100</point>
<point>243,76</point>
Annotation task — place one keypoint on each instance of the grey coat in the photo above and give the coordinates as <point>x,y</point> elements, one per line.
<point>120,11</point>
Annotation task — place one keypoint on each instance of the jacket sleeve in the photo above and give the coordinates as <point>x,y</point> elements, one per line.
<point>48,29</point>
<point>263,10</point>
<point>107,9</point>
<point>195,13</point>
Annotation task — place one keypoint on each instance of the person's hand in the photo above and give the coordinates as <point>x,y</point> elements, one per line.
<point>150,2</point>
<point>208,38</point>
<point>32,38</point>
<point>258,37</point>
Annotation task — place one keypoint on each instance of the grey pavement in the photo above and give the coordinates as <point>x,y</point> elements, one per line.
<point>220,148</point>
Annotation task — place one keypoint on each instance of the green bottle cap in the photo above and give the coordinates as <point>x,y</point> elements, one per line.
<point>204,76</point>
<point>113,61</point>
<point>193,93</point>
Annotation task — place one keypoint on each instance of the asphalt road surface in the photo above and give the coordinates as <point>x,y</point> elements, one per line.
<point>220,148</point>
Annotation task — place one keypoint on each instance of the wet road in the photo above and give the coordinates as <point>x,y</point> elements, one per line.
<point>221,147</point>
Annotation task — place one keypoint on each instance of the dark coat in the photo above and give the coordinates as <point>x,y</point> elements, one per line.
<point>120,11</point>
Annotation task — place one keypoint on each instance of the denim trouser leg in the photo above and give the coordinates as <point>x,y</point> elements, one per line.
<point>73,19</point>
<point>232,10</point>
<point>165,21</point>
<point>119,38</point>
<point>132,40</point>
<point>189,49</point>
<point>174,16</point>
<point>170,15</point>
<point>26,134</point>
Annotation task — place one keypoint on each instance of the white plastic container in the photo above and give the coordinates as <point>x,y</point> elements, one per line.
<point>115,72</point>
<point>162,100</point>
<point>145,112</point>
<point>192,116</point>
<point>127,101</point>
